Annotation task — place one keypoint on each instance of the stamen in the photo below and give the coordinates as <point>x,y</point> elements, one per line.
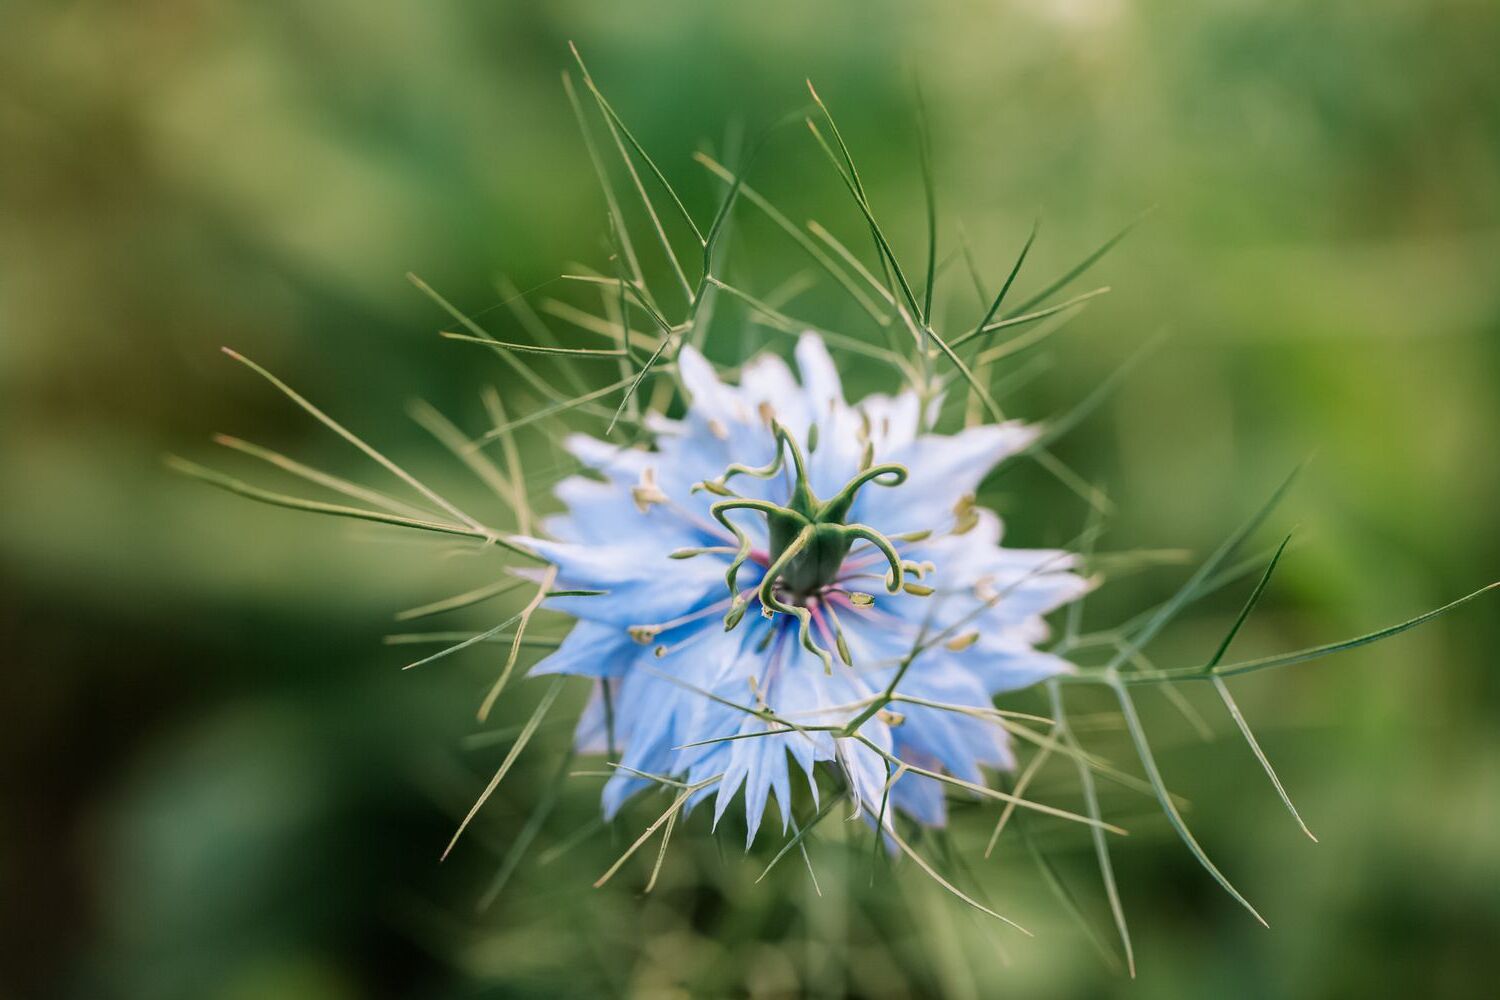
<point>965,514</point>
<point>838,633</point>
<point>646,493</point>
<point>652,629</point>
<point>831,635</point>
<point>690,553</point>
<point>963,642</point>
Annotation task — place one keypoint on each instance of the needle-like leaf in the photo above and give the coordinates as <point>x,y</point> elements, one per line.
<point>540,713</point>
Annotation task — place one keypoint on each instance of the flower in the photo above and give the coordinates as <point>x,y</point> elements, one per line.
<point>738,601</point>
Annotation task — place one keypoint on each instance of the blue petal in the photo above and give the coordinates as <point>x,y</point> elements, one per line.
<point>920,797</point>
<point>821,385</point>
<point>591,650</point>
<point>942,469</point>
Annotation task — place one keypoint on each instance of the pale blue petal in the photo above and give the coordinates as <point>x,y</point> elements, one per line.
<point>591,649</point>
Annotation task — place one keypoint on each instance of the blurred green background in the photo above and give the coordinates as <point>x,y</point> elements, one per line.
<point>216,780</point>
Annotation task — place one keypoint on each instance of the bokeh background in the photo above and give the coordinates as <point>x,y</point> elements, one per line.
<point>216,780</point>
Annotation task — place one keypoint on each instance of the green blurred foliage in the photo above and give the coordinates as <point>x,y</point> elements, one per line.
<point>217,782</point>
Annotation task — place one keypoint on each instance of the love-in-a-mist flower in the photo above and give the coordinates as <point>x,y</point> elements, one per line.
<point>777,563</point>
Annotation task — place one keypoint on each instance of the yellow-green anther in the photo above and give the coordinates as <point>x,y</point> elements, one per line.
<point>643,634</point>
<point>963,642</point>
<point>838,638</point>
<point>860,599</point>
<point>917,589</point>
<point>812,439</point>
<point>965,515</point>
<point>714,487</point>
<point>646,493</point>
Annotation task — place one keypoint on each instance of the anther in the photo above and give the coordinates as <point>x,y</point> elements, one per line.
<point>965,515</point>
<point>646,492</point>
<point>963,642</point>
<point>690,553</point>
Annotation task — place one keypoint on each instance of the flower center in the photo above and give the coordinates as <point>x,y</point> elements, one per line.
<point>817,564</point>
<point>810,538</point>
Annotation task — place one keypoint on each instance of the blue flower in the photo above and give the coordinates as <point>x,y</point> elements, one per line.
<point>738,600</point>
